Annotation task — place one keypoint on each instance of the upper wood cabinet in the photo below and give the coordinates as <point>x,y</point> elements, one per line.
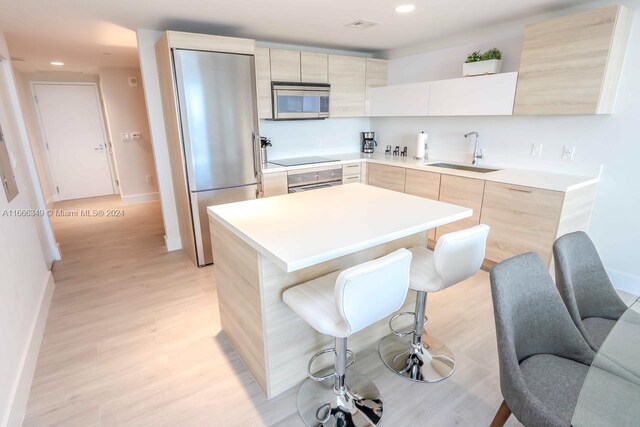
<point>467,192</point>
<point>389,177</point>
<point>347,76</point>
<point>285,65</point>
<point>490,95</point>
<point>314,67</point>
<point>263,83</point>
<point>572,64</point>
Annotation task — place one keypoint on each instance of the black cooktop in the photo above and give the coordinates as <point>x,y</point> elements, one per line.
<point>301,161</point>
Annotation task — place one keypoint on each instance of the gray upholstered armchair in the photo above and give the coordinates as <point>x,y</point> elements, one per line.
<point>586,290</point>
<point>543,357</point>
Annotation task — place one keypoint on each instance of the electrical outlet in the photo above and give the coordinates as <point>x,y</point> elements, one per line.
<point>568,151</point>
<point>536,150</point>
<point>136,135</point>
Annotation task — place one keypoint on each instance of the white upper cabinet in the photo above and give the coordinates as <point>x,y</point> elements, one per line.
<point>314,67</point>
<point>491,95</point>
<point>399,100</point>
<point>377,72</point>
<point>285,65</point>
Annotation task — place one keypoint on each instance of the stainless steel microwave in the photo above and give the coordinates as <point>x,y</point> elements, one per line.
<point>298,101</point>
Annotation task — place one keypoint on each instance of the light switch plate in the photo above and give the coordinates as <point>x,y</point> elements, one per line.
<point>536,150</point>
<point>125,136</point>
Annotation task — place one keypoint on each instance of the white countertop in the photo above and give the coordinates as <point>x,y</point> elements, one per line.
<point>299,230</point>
<point>527,178</point>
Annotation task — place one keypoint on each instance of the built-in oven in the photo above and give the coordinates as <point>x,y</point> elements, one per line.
<point>299,101</point>
<point>305,181</point>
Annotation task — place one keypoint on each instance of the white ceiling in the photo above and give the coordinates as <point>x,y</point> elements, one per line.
<point>88,34</point>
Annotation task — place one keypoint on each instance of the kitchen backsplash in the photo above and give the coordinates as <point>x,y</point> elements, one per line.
<point>313,137</point>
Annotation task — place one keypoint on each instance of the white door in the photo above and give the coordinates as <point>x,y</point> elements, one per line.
<point>73,130</point>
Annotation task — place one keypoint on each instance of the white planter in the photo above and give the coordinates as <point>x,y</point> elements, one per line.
<point>492,66</point>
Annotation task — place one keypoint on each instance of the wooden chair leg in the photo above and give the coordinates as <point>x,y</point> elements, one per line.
<point>502,415</point>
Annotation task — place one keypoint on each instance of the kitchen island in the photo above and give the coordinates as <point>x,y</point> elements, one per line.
<point>262,247</point>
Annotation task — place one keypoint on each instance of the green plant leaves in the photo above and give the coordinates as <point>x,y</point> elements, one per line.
<point>475,56</point>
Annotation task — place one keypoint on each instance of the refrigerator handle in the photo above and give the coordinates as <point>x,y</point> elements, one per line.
<point>256,163</point>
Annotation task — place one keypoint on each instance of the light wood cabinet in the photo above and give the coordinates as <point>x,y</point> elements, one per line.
<point>522,219</point>
<point>572,64</point>
<point>473,96</point>
<point>285,65</point>
<point>314,67</point>
<point>263,83</point>
<point>389,177</point>
<point>274,184</point>
<point>467,192</point>
<point>347,76</point>
<point>422,184</point>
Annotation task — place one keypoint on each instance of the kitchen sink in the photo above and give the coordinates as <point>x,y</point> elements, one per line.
<point>462,167</point>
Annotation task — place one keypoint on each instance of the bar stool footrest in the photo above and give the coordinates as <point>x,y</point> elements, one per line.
<point>332,373</point>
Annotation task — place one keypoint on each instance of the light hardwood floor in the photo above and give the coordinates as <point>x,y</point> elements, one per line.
<point>133,338</point>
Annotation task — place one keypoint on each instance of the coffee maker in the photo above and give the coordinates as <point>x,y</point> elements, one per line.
<point>367,142</point>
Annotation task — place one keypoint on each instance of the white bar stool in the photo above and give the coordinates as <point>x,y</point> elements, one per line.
<point>457,256</point>
<point>340,304</point>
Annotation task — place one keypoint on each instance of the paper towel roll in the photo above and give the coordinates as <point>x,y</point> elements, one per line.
<point>421,144</point>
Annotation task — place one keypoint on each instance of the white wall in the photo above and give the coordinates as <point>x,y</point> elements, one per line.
<point>26,285</point>
<point>313,137</point>
<point>610,140</point>
<point>126,112</point>
<point>151,84</point>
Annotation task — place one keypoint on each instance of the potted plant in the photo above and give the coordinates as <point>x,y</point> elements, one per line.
<point>477,63</point>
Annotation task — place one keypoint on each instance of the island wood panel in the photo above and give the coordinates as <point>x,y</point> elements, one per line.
<point>314,67</point>
<point>423,184</point>
<point>467,192</point>
<point>285,65</point>
<point>569,64</point>
<point>522,219</point>
<point>274,184</point>
<point>290,341</point>
<point>347,76</point>
<point>389,177</point>
<point>180,40</point>
<point>174,145</point>
<point>239,299</point>
<point>263,83</point>
<point>576,210</point>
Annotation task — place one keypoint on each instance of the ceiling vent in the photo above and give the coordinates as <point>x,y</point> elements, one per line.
<point>362,24</point>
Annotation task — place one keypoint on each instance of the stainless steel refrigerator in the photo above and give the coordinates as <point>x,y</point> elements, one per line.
<point>219,124</point>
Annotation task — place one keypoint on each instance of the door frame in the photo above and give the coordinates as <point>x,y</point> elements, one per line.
<point>43,137</point>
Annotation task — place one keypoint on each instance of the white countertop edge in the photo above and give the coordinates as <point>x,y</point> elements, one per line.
<point>337,253</point>
<point>489,176</point>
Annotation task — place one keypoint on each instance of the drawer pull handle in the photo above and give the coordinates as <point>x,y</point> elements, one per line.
<point>520,191</point>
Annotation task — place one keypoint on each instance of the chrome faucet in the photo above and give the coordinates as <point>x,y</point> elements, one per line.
<point>477,151</point>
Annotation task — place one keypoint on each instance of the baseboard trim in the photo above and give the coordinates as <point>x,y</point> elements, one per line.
<point>625,281</point>
<point>22,386</point>
<point>140,198</point>
<point>172,244</point>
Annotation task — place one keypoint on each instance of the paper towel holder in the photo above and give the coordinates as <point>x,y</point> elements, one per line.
<point>422,147</point>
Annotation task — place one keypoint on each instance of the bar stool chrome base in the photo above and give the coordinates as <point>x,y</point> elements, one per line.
<point>428,362</point>
<point>321,404</point>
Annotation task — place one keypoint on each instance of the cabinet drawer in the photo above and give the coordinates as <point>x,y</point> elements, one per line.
<point>389,177</point>
<point>351,169</point>
<point>522,219</point>
<point>465,192</point>
<point>350,179</point>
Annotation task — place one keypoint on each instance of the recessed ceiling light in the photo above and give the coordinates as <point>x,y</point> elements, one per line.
<point>405,8</point>
<point>57,63</point>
